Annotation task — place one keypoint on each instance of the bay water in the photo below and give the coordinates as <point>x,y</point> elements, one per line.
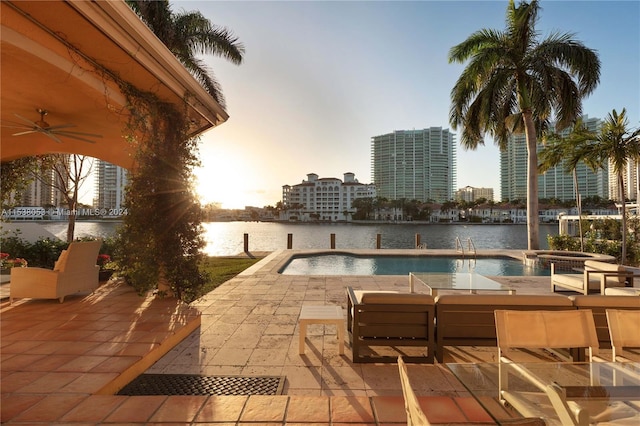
<point>227,238</point>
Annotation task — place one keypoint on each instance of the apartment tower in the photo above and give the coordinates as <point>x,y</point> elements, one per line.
<point>556,182</point>
<point>415,164</point>
<point>110,184</point>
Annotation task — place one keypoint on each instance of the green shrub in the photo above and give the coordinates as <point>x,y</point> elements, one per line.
<point>563,242</point>
<point>44,253</point>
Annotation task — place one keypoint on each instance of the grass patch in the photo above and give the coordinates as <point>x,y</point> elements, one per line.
<point>221,269</point>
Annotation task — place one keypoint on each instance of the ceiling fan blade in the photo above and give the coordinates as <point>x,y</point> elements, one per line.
<point>52,136</point>
<point>70,133</point>
<point>74,137</point>
<point>17,126</point>
<point>9,123</point>
<point>61,126</point>
<point>26,120</point>
<point>25,132</point>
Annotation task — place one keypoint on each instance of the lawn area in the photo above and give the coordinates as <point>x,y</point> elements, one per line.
<point>221,269</point>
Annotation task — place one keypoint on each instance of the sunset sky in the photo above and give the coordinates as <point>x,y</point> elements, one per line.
<point>321,78</point>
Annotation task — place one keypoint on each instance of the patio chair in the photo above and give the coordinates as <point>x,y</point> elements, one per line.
<point>542,330</point>
<point>623,328</point>
<point>75,271</point>
<point>569,329</point>
<point>415,415</point>
<point>596,278</point>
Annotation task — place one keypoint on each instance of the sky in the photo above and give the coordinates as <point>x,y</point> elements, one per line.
<point>319,79</point>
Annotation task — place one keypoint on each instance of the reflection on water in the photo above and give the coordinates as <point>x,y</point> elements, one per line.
<point>82,229</point>
<point>227,238</point>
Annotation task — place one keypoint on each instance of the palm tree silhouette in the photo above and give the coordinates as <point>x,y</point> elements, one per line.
<point>187,34</point>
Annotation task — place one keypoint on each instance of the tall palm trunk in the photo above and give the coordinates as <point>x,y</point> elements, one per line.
<point>532,182</point>
<point>579,205</point>
<point>624,217</point>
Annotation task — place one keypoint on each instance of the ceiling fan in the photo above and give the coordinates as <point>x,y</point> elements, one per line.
<point>53,132</point>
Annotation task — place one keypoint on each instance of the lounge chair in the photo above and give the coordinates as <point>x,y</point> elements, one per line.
<point>552,329</point>
<point>415,415</point>
<point>75,271</point>
<point>623,328</point>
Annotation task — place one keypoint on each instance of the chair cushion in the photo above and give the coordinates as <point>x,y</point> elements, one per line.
<point>61,262</point>
<point>594,265</point>
<point>573,280</point>
<point>397,298</point>
<point>360,293</point>
<point>604,301</point>
<point>622,291</point>
<point>503,299</point>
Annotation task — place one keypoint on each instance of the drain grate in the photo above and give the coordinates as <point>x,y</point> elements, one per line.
<point>187,384</point>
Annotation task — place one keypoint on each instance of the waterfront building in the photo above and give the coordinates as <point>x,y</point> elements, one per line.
<point>470,194</point>
<point>631,182</point>
<point>556,182</point>
<point>110,183</point>
<point>43,191</point>
<point>415,164</point>
<point>325,199</point>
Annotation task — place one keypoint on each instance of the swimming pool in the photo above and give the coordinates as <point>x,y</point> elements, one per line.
<point>350,264</point>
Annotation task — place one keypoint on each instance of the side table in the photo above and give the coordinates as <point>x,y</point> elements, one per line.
<point>326,314</point>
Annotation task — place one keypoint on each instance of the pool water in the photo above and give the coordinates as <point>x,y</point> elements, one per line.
<point>347,264</point>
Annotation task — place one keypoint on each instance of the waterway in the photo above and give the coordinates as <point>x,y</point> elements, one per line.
<point>227,238</point>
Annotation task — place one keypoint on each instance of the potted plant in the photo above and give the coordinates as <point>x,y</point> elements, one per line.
<point>106,269</point>
<point>6,263</point>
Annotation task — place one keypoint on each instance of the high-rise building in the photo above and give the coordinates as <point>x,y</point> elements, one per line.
<point>110,184</point>
<point>415,164</point>
<point>556,182</point>
<point>630,179</point>
<point>327,199</point>
<point>42,191</point>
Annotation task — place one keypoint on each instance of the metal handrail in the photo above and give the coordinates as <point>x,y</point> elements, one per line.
<point>459,247</point>
<point>471,247</point>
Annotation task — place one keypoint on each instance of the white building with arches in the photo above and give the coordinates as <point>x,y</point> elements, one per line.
<point>323,199</point>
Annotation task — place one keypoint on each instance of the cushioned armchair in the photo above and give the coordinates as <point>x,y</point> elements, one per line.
<point>597,277</point>
<point>75,271</point>
<point>390,321</point>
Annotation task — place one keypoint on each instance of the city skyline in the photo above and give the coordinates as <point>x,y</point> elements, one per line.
<point>320,79</point>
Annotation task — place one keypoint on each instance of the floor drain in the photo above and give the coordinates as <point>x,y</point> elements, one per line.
<point>188,384</point>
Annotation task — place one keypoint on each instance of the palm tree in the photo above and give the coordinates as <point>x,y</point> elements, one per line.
<point>187,34</point>
<point>615,145</point>
<point>568,150</point>
<point>513,84</point>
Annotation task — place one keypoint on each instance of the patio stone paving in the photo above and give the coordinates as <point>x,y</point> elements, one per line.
<point>63,363</point>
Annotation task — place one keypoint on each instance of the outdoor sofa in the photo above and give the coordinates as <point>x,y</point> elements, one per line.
<point>390,320</point>
<point>469,320</point>
<point>598,304</point>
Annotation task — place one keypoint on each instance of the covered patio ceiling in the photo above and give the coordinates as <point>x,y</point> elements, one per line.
<point>61,56</point>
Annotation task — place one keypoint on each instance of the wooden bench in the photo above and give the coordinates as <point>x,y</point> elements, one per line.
<point>390,319</point>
